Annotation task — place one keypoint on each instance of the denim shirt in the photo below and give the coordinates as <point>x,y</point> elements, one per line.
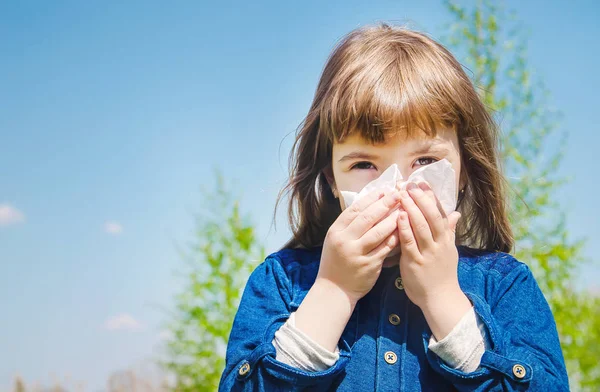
<point>378,355</point>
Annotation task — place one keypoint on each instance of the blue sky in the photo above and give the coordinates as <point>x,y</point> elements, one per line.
<point>112,117</point>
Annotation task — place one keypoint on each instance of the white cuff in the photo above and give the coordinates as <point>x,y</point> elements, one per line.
<point>296,349</point>
<point>464,346</point>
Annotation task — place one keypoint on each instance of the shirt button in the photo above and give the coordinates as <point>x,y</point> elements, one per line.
<point>394,319</point>
<point>390,357</point>
<point>519,371</point>
<point>399,284</point>
<point>244,369</point>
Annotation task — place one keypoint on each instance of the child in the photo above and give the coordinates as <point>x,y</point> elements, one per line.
<point>390,293</point>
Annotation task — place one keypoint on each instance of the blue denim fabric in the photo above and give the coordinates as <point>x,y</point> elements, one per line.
<point>525,351</point>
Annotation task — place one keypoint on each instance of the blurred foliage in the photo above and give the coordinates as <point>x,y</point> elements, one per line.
<point>148,378</point>
<point>493,46</point>
<point>220,258</point>
<point>20,386</point>
<point>145,376</point>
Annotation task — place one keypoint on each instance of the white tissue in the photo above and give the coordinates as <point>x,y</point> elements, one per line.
<point>439,175</point>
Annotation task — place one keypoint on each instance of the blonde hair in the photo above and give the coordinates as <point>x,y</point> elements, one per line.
<point>381,79</point>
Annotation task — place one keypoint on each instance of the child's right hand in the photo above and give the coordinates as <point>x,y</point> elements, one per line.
<point>358,241</point>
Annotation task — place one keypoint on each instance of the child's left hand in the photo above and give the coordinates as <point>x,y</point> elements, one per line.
<point>429,258</point>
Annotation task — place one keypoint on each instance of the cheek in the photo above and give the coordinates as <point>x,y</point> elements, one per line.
<point>349,182</point>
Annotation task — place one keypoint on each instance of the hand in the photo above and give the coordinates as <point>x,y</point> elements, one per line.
<point>429,258</point>
<point>357,243</point>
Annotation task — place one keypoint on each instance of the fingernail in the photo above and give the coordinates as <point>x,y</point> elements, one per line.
<point>414,188</point>
<point>424,186</point>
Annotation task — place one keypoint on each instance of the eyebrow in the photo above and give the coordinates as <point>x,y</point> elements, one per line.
<point>428,149</point>
<point>422,150</point>
<point>358,155</point>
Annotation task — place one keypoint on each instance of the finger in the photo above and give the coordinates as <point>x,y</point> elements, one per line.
<point>417,221</point>
<point>430,210</point>
<point>383,249</point>
<point>453,221</point>
<point>347,216</point>
<point>408,243</point>
<point>428,191</point>
<point>372,214</point>
<point>379,232</point>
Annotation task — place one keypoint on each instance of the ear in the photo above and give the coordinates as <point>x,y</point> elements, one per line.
<point>328,172</point>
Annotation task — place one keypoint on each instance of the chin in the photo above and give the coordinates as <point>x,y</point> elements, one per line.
<point>394,252</point>
<point>392,257</point>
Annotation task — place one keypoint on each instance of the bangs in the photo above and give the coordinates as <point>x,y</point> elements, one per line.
<point>407,94</point>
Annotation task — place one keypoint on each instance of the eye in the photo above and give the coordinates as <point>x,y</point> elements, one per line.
<point>427,160</point>
<point>362,165</point>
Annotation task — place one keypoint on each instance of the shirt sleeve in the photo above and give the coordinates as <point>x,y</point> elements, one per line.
<point>465,344</point>
<point>524,350</point>
<point>297,349</point>
<point>251,362</point>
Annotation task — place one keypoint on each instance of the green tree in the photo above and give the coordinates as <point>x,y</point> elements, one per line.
<point>493,45</point>
<point>219,260</point>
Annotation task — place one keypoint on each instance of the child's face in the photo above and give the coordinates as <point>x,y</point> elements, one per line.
<point>355,162</point>
<point>352,172</point>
